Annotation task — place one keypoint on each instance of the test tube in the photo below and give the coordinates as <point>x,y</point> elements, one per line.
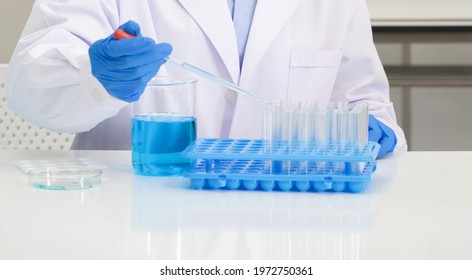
<point>322,134</point>
<point>271,132</point>
<point>290,133</point>
<point>359,126</point>
<point>353,131</point>
<point>358,133</point>
<point>322,131</point>
<point>277,121</point>
<point>306,126</point>
<point>339,122</point>
<point>277,165</point>
<point>268,126</point>
<point>363,136</point>
<point>305,133</point>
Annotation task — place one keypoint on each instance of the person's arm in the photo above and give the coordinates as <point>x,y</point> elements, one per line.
<point>49,81</point>
<point>361,77</point>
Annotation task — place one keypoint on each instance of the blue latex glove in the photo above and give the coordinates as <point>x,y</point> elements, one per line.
<point>124,67</point>
<point>382,134</point>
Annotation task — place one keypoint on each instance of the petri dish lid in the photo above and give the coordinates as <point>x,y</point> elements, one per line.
<point>64,178</point>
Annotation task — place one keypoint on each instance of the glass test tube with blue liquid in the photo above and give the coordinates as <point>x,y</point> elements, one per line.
<point>163,125</point>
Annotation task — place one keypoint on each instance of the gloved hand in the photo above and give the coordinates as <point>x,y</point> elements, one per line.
<point>124,67</point>
<point>382,134</point>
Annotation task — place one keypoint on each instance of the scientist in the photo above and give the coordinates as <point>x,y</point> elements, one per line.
<point>68,74</point>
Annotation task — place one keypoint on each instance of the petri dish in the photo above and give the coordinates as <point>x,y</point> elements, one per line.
<point>64,178</point>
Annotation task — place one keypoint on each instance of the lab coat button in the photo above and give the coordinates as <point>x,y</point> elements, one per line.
<point>231,96</point>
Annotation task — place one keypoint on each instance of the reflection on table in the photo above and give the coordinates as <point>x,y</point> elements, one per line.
<point>180,223</point>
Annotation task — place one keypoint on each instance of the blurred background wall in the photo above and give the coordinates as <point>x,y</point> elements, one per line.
<point>426,49</point>
<point>425,46</point>
<point>13,16</point>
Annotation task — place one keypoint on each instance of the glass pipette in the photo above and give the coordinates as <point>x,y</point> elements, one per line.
<point>120,34</point>
<point>212,77</point>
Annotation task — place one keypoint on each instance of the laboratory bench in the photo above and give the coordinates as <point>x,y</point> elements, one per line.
<point>418,205</point>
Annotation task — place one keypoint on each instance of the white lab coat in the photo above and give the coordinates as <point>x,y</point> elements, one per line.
<point>318,50</point>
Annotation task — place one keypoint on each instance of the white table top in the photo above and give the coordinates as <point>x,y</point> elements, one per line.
<point>417,206</point>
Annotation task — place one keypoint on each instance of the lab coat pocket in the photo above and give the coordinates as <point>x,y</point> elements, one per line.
<point>312,74</point>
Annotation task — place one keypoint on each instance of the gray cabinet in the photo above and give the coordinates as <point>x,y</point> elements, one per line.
<point>430,73</point>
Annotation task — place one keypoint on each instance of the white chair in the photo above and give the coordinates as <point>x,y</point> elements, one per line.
<point>16,133</point>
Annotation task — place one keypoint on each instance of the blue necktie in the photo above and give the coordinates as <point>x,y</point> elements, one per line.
<point>242,12</point>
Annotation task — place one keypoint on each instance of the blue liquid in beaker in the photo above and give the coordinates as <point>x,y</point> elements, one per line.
<point>158,140</point>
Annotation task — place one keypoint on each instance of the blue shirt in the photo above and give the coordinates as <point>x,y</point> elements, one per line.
<point>242,12</point>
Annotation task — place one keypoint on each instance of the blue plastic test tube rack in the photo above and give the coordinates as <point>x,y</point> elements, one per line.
<point>240,164</point>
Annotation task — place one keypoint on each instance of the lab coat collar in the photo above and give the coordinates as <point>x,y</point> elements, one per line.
<point>215,20</point>
<point>269,19</point>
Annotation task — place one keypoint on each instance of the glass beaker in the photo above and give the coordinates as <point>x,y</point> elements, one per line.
<point>163,125</point>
